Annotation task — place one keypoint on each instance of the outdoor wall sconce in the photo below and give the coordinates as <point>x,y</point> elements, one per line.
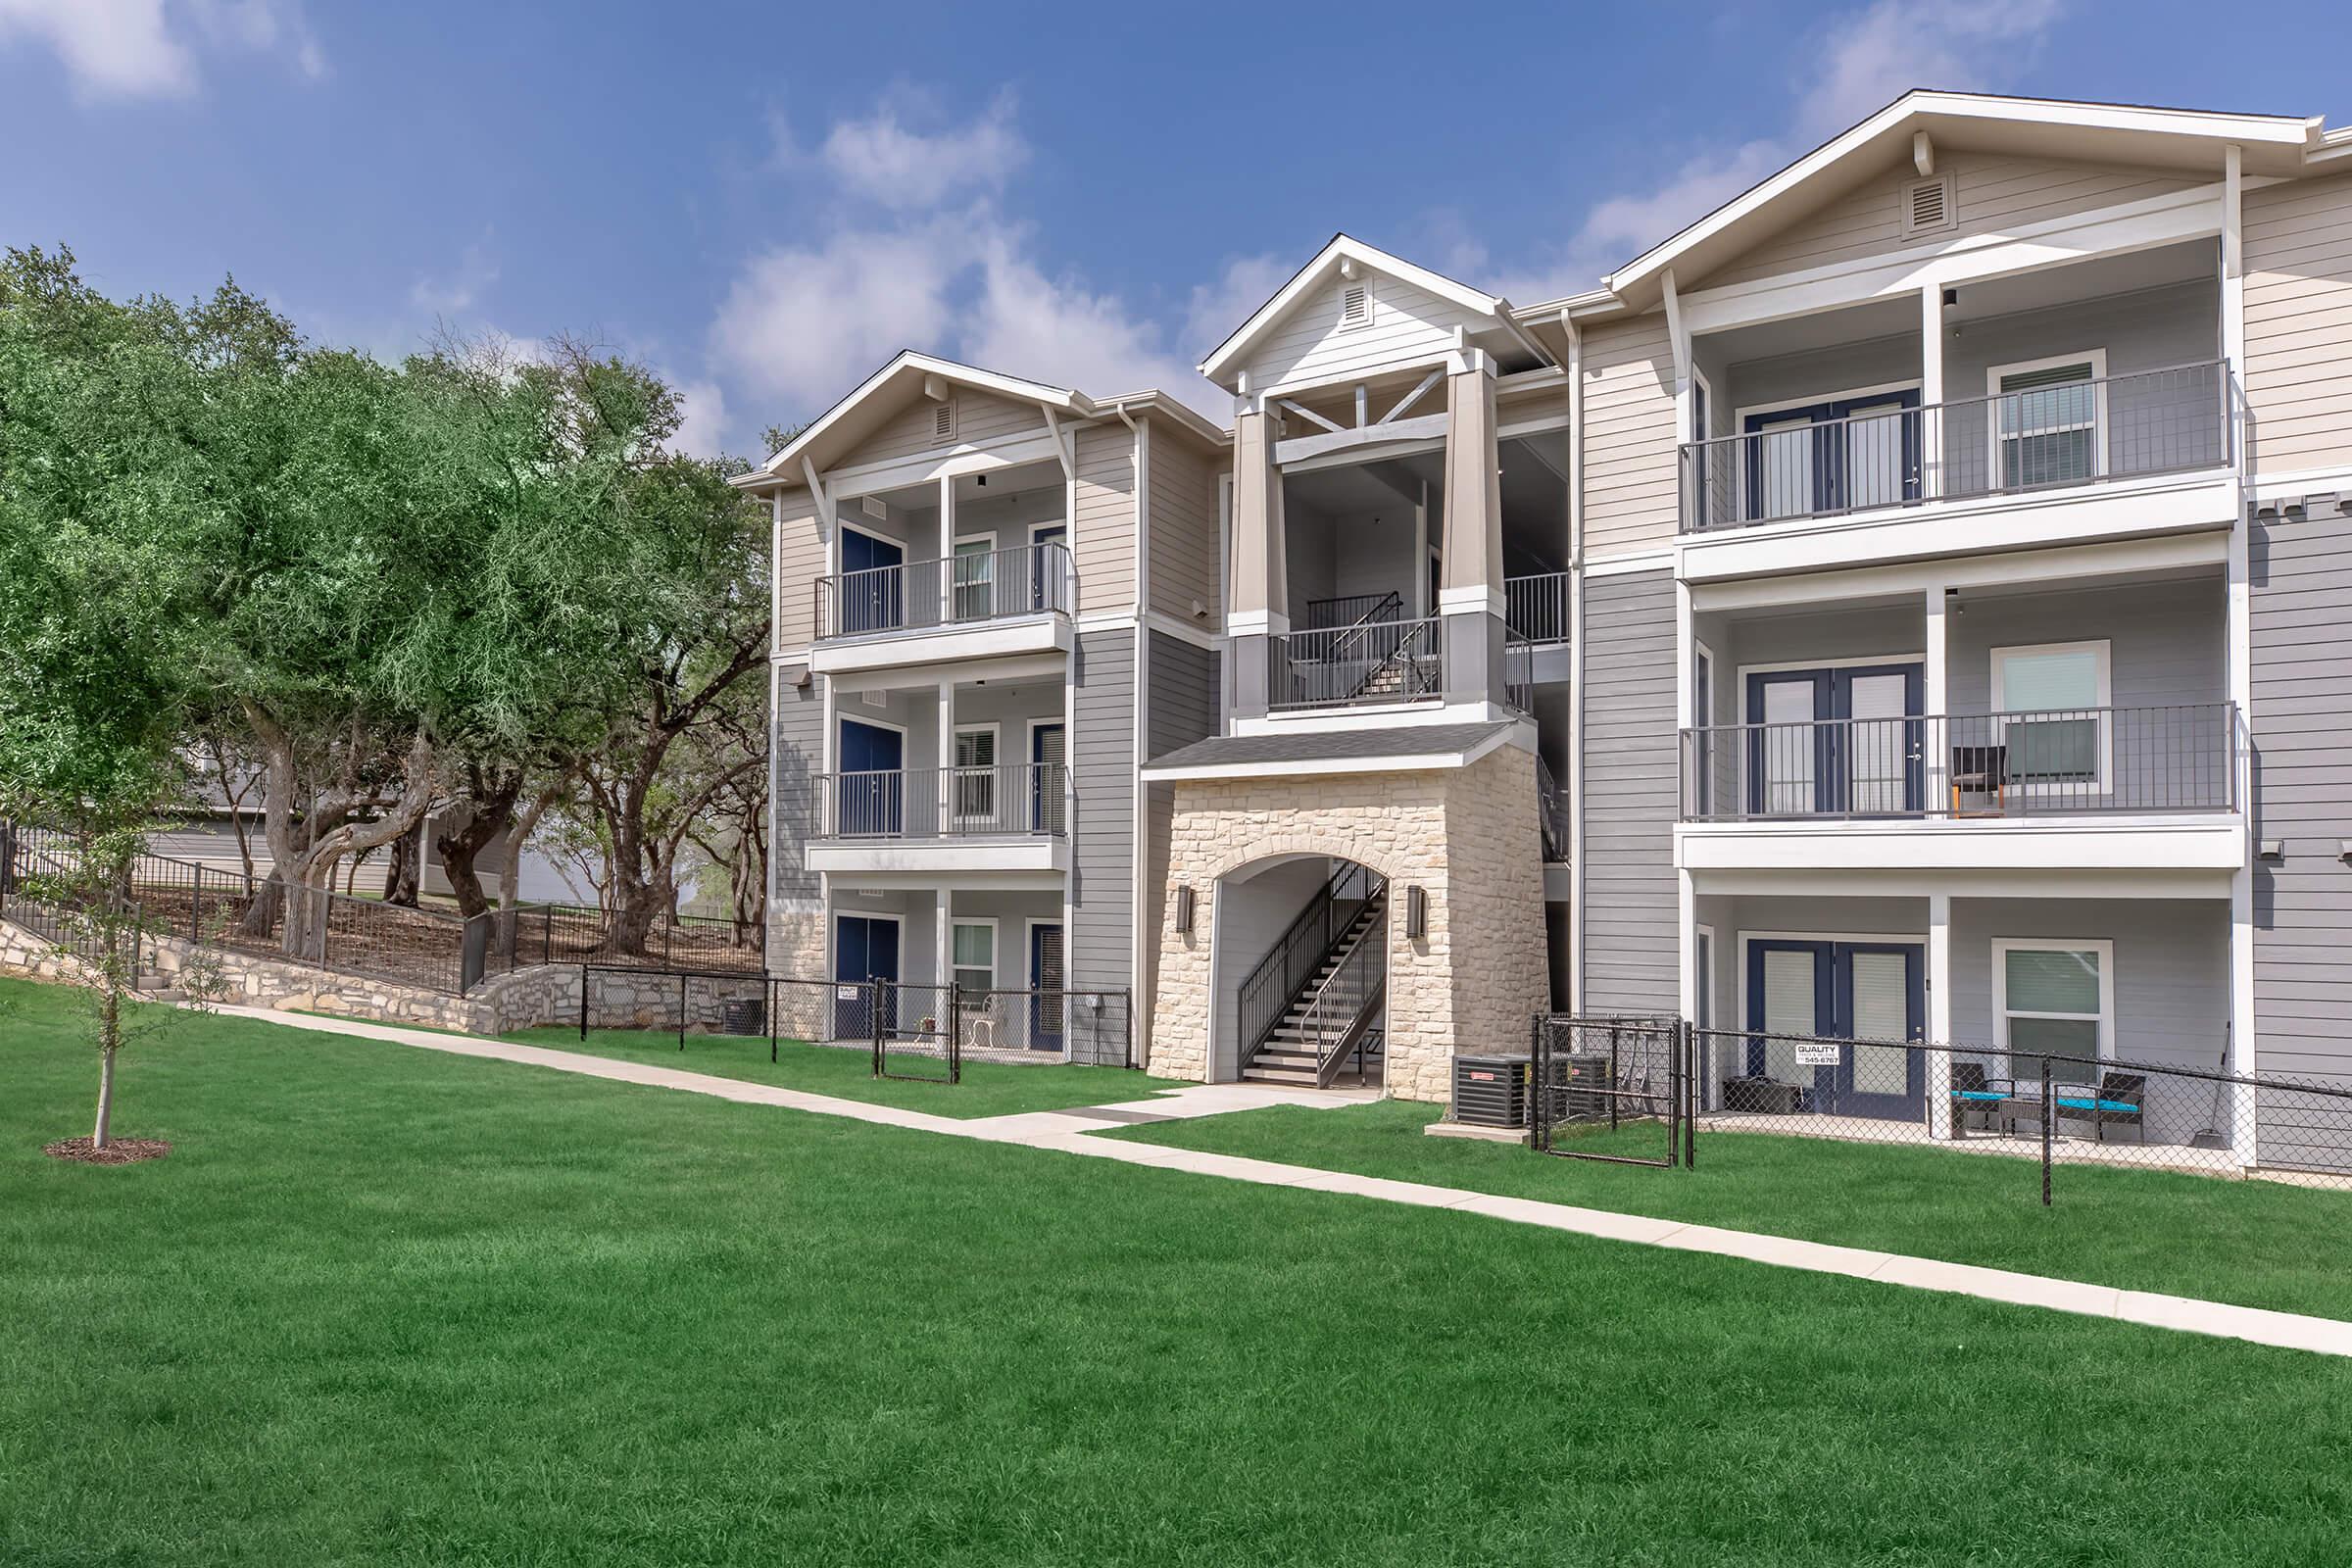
<point>1184,911</point>
<point>1417,913</point>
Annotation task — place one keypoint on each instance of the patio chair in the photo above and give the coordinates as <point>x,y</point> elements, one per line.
<point>1976,1092</point>
<point>2121,1099</point>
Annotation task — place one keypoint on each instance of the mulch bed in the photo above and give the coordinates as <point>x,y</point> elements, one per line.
<point>118,1150</point>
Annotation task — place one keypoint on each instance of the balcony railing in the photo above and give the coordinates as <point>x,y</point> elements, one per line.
<point>2152,760</point>
<point>963,590</point>
<point>1012,800</point>
<point>1373,662</point>
<point>2046,437</point>
<point>1536,608</point>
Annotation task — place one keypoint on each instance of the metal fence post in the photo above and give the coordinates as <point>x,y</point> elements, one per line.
<point>583,1001</point>
<point>1690,1096</point>
<point>681,1012</point>
<point>769,1005</point>
<point>1127,1029</point>
<point>2047,1106</point>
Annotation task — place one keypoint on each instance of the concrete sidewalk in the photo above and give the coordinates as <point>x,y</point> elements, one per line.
<point>1073,1132</point>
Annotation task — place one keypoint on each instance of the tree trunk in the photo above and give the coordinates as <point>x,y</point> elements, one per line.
<point>108,1011</point>
<point>472,826</point>
<point>404,873</point>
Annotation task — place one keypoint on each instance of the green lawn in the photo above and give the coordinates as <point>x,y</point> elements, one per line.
<point>987,1089</point>
<point>383,1306</point>
<point>2258,1244</point>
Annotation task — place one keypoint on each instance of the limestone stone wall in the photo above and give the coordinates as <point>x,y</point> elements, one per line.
<point>796,943</point>
<point>1467,837</point>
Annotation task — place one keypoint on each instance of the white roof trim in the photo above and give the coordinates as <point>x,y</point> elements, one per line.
<point>1077,402</point>
<point>1313,766</point>
<point>2281,130</point>
<point>1348,248</point>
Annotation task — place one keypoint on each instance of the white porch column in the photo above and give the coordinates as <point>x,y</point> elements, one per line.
<point>1931,390</point>
<point>1470,590</point>
<point>946,548</point>
<point>944,961</point>
<point>947,755</point>
<point>1940,1014</point>
<point>1936,737</point>
<point>1260,587</point>
<point>1687,941</point>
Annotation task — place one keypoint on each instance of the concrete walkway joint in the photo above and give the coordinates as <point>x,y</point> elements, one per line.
<point>1061,1132</point>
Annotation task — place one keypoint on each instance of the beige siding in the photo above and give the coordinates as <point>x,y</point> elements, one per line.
<point>1629,436</point>
<point>1526,408</point>
<point>1406,324</point>
<point>1184,529</point>
<point>800,561</point>
<point>2298,370</point>
<point>980,417</point>
<point>1103,522</point>
<point>1991,194</point>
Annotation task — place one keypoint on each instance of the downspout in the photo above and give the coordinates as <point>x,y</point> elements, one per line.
<point>1140,896</point>
<point>1576,660</point>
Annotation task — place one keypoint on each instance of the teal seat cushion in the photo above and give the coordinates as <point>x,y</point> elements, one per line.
<point>1979,1094</point>
<point>2068,1103</point>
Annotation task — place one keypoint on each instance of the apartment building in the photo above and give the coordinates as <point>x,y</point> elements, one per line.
<point>1908,602</point>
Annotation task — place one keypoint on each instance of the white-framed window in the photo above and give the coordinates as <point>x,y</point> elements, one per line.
<point>2048,420</point>
<point>2073,684</point>
<point>974,949</point>
<point>975,773</point>
<point>975,576</point>
<point>2054,997</point>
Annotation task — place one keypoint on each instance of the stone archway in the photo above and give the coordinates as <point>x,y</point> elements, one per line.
<point>1468,836</point>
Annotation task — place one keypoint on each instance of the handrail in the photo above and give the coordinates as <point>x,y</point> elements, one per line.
<point>1002,800</point>
<point>1379,661</point>
<point>953,590</point>
<point>1536,607</point>
<point>1549,813</point>
<point>1344,1004</point>
<point>2177,757</point>
<point>2175,419</point>
<point>1390,602</point>
<point>1273,983</point>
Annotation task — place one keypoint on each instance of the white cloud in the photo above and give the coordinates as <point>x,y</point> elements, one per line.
<point>701,418</point>
<point>1216,308</point>
<point>882,159</point>
<point>459,290</point>
<point>148,49</point>
<point>1865,61</point>
<point>803,324</point>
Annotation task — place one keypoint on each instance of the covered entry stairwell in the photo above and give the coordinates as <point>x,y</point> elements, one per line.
<point>1312,1010</point>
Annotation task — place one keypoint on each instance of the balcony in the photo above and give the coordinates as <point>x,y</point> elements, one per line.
<point>2063,436</point>
<point>1363,663</point>
<point>1011,817</point>
<point>2104,787</point>
<point>978,604</point>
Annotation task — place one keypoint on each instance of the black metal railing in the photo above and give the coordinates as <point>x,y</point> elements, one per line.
<point>2174,420</point>
<point>1374,661</point>
<point>963,590</point>
<point>1536,608</point>
<point>1617,1089</point>
<point>1011,799</point>
<point>1350,610</point>
<point>1551,811</point>
<point>1275,981</point>
<point>1518,673</point>
<point>2177,759</point>
<point>1342,1007</point>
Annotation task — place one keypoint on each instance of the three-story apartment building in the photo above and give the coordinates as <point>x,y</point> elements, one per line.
<point>1908,602</point>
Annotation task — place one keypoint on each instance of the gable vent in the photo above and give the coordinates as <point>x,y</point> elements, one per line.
<point>1355,305</point>
<point>1927,205</point>
<point>942,419</point>
<point>875,508</point>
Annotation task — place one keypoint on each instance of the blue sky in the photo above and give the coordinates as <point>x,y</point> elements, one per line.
<point>765,201</point>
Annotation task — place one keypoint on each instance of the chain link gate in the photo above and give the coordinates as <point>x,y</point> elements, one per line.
<point>917,1031</point>
<point>1616,1090</point>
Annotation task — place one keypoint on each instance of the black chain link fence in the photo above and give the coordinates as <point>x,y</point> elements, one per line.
<point>1611,1088</point>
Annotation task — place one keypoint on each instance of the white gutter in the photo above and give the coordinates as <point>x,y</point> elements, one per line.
<point>1576,659</point>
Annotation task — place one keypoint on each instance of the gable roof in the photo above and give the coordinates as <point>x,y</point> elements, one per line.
<point>848,422</point>
<point>1345,249</point>
<point>2184,138</point>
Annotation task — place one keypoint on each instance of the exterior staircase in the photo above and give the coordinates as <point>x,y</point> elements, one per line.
<point>1331,1013</point>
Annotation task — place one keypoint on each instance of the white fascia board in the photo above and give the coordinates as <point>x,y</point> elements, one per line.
<point>2084,562</point>
<point>1345,247</point>
<point>906,361</point>
<point>1938,531</point>
<point>2278,131</point>
<point>1325,767</point>
<point>2020,883</point>
<point>2213,843</point>
<point>905,653</point>
<point>945,881</point>
<point>937,856</point>
<point>1416,714</point>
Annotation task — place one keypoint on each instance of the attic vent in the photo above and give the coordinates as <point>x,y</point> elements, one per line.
<point>1355,305</point>
<point>942,419</point>
<point>1927,205</point>
<point>874,507</point>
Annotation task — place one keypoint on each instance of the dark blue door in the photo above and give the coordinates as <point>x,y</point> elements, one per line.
<point>1046,998</point>
<point>1045,757</point>
<point>1846,742</point>
<point>1804,995</point>
<point>869,797</point>
<point>1045,575</point>
<point>866,948</point>
<point>1838,455</point>
<point>872,597</point>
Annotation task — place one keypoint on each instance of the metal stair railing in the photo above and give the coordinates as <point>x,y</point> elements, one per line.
<point>1276,980</point>
<point>1345,1002</point>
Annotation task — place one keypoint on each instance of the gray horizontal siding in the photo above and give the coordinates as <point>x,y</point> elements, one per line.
<point>1630,962</point>
<point>2302,689</point>
<point>1182,709</point>
<point>794,755</point>
<point>1102,746</point>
